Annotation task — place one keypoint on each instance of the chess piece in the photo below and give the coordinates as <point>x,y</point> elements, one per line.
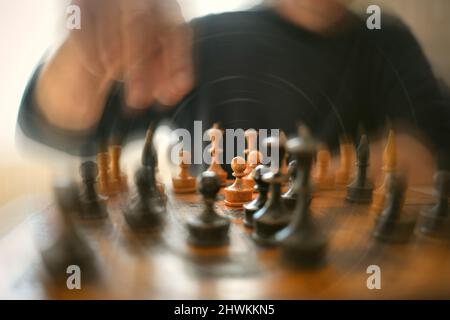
<point>360,190</point>
<point>394,224</point>
<point>290,197</point>
<point>323,179</point>
<point>251,135</point>
<point>254,159</point>
<point>149,159</point>
<point>257,204</point>
<point>436,221</point>
<point>144,211</point>
<point>149,156</point>
<point>343,173</point>
<point>274,216</point>
<point>117,179</point>
<point>184,182</point>
<point>302,243</point>
<point>389,165</point>
<point>208,229</point>
<point>92,206</point>
<point>103,177</point>
<point>284,159</point>
<point>238,194</point>
<point>71,248</point>
<point>215,135</point>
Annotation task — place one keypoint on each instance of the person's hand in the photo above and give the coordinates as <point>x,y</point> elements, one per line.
<point>145,43</point>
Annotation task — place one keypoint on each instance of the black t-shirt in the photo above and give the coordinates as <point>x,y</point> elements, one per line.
<point>256,70</point>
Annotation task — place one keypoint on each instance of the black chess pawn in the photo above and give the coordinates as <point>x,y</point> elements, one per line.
<point>290,196</point>
<point>302,243</point>
<point>71,248</point>
<point>435,222</point>
<point>92,205</point>
<point>394,224</point>
<point>208,229</point>
<point>144,210</point>
<point>274,216</point>
<point>360,189</point>
<point>257,204</point>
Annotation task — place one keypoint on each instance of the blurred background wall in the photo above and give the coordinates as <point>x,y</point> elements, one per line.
<point>430,22</point>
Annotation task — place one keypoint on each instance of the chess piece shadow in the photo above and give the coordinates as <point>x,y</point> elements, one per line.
<point>71,248</point>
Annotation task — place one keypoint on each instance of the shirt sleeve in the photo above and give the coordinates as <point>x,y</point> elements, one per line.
<point>115,126</point>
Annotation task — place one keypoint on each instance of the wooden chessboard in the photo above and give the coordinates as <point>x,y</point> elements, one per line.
<point>143,266</point>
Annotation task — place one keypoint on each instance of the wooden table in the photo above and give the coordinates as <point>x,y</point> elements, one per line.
<point>136,266</point>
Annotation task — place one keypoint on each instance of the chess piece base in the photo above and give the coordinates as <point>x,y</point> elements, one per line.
<point>398,231</point>
<point>304,254</point>
<point>187,185</point>
<point>302,245</point>
<point>289,202</point>
<point>212,234</point>
<point>249,211</point>
<point>433,225</point>
<point>237,198</point>
<point>139,218</point>
<point>265,227</point>
<point>93,209</point>
<point>359,194</point>
<point>264,241</point>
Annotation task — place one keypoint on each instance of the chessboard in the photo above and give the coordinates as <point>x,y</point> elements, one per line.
<point>141,266</point>
<point>212,238</point>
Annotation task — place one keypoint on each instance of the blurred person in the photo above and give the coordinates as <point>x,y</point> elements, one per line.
<point>315,61</point>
